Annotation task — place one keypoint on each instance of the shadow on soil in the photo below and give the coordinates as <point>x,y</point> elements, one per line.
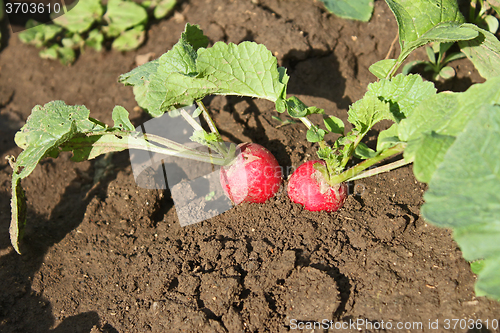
<point>18,299</point>
<point>256,132</point>
<point>323,70</point>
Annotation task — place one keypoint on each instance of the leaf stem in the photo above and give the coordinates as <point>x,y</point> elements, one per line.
<point>382,169</point>
<point>141,143</point>
<point>357,169</point>
<point>221,148</point>
<point>209,120</point>
<point>168,143</point>
<point>191,121</point>
<point>309,125</point>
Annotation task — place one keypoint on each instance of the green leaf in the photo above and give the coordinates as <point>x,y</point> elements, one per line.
<point>38,34</point>
<point>356,10</point>
<point>429,154</point>
<point>81,17</point>
<point>46,129</point>
<point>197,112</point>
<point>388,138</point>
<point>441,33</point>
<point>447,72</point>
<point>315,110</point>
<point>121,119</point>
<point>484,52</point>
<point>430,54</point>
<point>247,69</point>
<point>427,115</point>
<point>190,72</point>
<point>18,214</point>
<point>464,194</point>
<point>95,39</point>
<point>89,147</point>
<point>50,52</point>
<point>204,138</point>
<point>66,55</point>
<point>382,68</point>
<point>194,36</point>
<point>367,112</point>
<point>411,65</point>
<point>49,125</point>
<point>488,281</point>
<point>334,125</point>
<point>149,80</point>
<point>479,241</point>
<point>180,59</point>
<point>492,23</point>
<point>140,78</point>
<point>140,75</point>
<point>465,189</point>
<point>453,56</point>
<point>163,8</point>
<point>447,113</point>
<point>68,42</point>
<point>477,266</point>
<point>402,92</point>
<point>296,108</point>
<point>415,18</point>
<point>362,151</point>
<point>315,134</point>
<point>122,15</point>
<point>130,39</point>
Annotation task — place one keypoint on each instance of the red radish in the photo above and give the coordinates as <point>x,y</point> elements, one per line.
<point>255,176</point>
<point>308,187</point>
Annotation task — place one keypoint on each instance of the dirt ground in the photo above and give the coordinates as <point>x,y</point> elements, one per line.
<point>112,257</point>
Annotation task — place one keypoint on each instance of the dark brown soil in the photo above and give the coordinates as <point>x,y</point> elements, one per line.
<point>111,257</point>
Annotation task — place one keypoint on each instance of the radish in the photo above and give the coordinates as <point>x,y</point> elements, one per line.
<point>308,187</point>
<point>254,176</point>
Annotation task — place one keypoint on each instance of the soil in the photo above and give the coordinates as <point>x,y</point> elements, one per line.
<point>109,256</point>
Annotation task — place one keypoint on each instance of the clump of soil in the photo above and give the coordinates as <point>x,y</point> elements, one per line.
<point>104,255</point>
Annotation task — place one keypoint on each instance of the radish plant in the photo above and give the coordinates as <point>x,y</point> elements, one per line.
<point>90,23</point>
<point>452,139</point>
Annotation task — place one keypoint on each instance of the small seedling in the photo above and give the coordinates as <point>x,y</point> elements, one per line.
<point>481,13</point>
<point>438,61</point>
<point>91,24</point>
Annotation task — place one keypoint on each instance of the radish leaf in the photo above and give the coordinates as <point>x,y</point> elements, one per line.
<point>382,68</point>
<point>46,129</point>
<point>315,134</point>
<point>130,39</point>
<point>190,72</point>
<point>448,113</point>
<point>464,193</point>
<point>465,190</point>
<point>429,154</point>
<point>122,15</point>
<point>367,112</point>
<point>403,93</point>
<point>334,125</point>
<point>81,16</point>
<point>484,52</point>
<point>416,17</point>
<point>121,119</point>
